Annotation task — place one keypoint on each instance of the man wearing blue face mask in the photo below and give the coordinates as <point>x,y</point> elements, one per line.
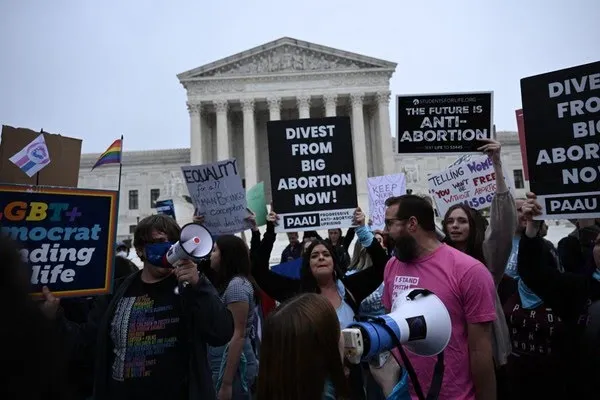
<point>148,342</point>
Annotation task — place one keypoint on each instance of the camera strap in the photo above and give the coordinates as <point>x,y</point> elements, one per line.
<point>438,373</point>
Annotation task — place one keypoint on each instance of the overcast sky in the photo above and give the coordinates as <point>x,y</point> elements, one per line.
<point>98,69</point>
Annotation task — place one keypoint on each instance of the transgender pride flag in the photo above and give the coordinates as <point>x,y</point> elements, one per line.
<point>33,157</point>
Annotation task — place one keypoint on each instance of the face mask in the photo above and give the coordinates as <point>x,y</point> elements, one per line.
<point>406,248</point>
<point>122,254</point>
<point>156,251</point>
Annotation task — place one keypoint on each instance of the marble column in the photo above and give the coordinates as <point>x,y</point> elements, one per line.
<point>274,108</point>
<point>223,150</point>
<point>360,150</point>
<point>330,101</point>
<point>250,164</point>
<point>303,102</point>
<point>386,153</point>
<point>196,147</point>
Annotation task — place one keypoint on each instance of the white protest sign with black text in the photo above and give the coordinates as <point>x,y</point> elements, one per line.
<point>444,123</point>
<point>217,193</point>
<point>382,188</point>
<point>472,182</point>
<point>312,173</point>
<point>561,112</point>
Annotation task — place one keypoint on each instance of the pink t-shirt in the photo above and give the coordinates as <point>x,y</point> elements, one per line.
<point>467,290</point>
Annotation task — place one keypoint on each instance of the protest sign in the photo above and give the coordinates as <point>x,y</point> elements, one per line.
<point>444,123</point>
<point>312,173</point>
<point>67,236</point>
<point>382,188</point>
<point>257,202</point>
<point>472,182</point>
<point>561,111</point>
<point>522,142</point>
<point>165,207</point>
<point>217,193</point>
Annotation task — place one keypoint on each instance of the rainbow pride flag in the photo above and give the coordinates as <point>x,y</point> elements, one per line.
<point>112,155</point>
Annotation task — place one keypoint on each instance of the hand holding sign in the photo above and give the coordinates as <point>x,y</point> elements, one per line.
<point>531,209</point>
<point>359,217</point>
<point>492,149</point>
<point>273,218</point>
<point>252,220</point>
<point>50,305</point>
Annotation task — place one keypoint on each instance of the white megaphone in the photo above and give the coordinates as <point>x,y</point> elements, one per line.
<point>195,242</point>
<point>419,321</point>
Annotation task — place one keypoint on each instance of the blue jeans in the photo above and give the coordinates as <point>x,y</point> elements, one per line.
<point>215,356</point>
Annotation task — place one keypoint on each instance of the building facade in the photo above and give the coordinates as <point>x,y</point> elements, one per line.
<point>146,177</point>
<point>230,101</point>
<point>151,175</point>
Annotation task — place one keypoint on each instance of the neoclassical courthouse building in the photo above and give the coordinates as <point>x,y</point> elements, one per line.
<point>230,101</point>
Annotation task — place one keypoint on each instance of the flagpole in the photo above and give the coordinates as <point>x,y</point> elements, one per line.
<point>37,174</point>
<point>120,165</point>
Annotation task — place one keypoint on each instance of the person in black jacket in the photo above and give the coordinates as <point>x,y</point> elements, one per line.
<point>321,273</point>
<point>35,368</point>
<point>569,295</point>
<point>148,342</point>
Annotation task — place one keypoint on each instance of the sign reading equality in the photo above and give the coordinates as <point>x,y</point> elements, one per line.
<point>67,236</point>
<point>561,111</point>
<point>312,173</point>
<point>448,123</point>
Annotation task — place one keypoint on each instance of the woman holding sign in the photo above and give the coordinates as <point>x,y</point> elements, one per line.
<point>467,231</point>
<point>321,273</point>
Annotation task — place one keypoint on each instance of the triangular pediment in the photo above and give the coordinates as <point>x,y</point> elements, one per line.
<point>284,56</point>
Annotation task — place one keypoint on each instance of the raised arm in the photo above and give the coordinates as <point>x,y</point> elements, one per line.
<point>365,282</point>
<point>566,293</point>
<point>497,244</point>
<point>276,286</point>
<point>350,233</point>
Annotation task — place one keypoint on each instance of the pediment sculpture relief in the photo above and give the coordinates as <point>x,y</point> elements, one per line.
<point>287,59</point>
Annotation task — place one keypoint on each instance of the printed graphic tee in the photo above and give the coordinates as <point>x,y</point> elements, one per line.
<point>467,290</point>
<point>149,360</point>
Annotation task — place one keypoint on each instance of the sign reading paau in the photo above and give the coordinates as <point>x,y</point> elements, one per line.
<point>561,110</point>
<point>444,123</point>
<point>312,173</point>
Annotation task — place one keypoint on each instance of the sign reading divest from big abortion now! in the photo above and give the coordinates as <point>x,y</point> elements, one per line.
<point>471,181</point>
<point>312,173</point>
<point>67,236</point>
<point>561,111</point>
<point>444,123</point>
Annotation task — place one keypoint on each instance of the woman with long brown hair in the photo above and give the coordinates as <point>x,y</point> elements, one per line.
<point>302,352</point>
<point>468,231</point>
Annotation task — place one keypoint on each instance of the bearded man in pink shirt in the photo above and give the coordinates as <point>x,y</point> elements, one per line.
<point>463,284</point>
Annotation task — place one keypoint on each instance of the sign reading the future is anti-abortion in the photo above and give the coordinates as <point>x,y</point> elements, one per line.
<point>312,173</point>
<point>561,111</point>
<point>67,236</point>
<point>444,123</point>
<point>218,194</point>
<point>470,180</point>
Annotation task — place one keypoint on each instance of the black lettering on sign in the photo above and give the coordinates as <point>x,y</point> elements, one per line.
<point>301,221</point>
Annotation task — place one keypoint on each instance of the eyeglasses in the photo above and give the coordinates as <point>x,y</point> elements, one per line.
<point>389,221</point>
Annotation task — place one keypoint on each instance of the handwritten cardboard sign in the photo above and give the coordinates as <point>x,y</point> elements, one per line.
<point>472,182</point>
<point>218,194</point>
<point>380,189</point>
